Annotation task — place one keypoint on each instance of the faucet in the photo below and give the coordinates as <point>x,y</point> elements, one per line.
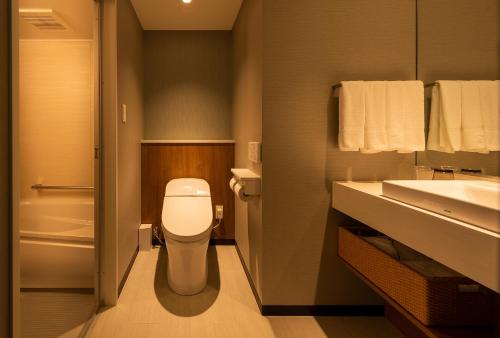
<point>444,173</point>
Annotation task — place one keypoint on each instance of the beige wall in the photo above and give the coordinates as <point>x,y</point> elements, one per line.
<point>187,85</point>
<point>4,176</point>
<point>247,126</point>
<point>308,47</point>
<point>56,120</point>
<point>130,86</point>
<point>459,40</point>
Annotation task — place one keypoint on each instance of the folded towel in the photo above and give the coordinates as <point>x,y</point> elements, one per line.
<point>465,117</point>
<point>451,115</point>
<point>473,138</point>
<point>489,92</point>
<point>414,120</point>
<point>433,139</point>
<point>380,116</point>
<point>384,244</point>
<point>375,119</point>
<point>396,114</point>
<point>446,117</point>
<point>352,116</point>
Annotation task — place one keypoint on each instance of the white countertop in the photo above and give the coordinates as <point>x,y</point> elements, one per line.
<point>470,250</point>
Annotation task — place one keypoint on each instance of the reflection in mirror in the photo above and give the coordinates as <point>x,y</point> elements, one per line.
<point>458,40</point>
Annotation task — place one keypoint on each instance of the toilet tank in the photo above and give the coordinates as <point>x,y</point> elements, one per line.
<point>193,187</point>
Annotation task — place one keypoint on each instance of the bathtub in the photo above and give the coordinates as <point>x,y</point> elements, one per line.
<point>57,243</point>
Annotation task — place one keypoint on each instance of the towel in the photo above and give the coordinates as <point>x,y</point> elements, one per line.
<point>433,139</point>
<point>352,116</point>
<point>465,116</point>
<point>414,120</point>
<point>395,114</point>
<point>451,111</point>
<point>473,138</point>
<point>380,116</point>
<point>446,117</point>
<point>375,137</point>
<point>489,92</point>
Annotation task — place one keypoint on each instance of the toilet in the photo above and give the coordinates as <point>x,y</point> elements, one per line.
<point>187,225</point>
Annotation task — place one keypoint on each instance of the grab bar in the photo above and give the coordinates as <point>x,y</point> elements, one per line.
<point>60,187</point>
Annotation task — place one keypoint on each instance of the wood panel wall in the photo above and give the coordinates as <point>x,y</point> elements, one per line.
<point>211,162</point>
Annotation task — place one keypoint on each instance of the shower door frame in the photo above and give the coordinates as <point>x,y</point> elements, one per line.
<point>15,322</point>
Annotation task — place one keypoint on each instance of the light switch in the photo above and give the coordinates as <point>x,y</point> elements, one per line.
<point>254,152</point>
<point>124,113</point>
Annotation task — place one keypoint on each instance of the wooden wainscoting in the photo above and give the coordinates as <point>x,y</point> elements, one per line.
<point>212,162</point>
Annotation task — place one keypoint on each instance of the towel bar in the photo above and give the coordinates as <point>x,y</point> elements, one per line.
<point>338,85</point>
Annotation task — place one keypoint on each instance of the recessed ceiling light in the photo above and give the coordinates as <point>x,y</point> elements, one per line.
<point>186,1</point>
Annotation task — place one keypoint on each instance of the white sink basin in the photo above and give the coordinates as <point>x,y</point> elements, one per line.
<point>474,202</point>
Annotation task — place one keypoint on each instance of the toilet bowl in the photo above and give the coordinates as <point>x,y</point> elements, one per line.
<point>187,225</point>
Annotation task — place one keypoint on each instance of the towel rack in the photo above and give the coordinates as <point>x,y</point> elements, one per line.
<point>339,85</point>
<point>60,187</point>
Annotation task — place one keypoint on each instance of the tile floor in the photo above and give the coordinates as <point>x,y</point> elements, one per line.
<point>226,308</point>
<point>55,313</point>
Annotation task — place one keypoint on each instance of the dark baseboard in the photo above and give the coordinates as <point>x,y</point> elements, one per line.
<point>222,241</point>
<point>310,310</point>
<point>323,310</point>
<point>249,278</point>
<point>125,276</point>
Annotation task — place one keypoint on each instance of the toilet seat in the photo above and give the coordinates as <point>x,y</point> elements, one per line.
<point>187,210</point>
<point>187,219</point>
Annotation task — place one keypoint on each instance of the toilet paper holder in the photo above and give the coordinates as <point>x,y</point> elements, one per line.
<point>249,181</point>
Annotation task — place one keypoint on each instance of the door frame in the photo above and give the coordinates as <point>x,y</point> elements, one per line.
<point>14,276</point>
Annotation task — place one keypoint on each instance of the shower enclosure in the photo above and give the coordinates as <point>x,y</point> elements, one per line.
<point>58,169</point>
<point>56,143</point>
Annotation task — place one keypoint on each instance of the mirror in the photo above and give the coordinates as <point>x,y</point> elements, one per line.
<point>457,40</point>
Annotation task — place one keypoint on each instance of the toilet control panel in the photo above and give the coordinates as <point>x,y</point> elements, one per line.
<point>255,152</point>
<point>219,211</point>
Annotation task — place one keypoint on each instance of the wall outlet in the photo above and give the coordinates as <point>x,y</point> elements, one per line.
<point>219,211</point>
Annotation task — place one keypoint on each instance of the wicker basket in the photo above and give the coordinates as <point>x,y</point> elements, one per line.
<point>435,301</point>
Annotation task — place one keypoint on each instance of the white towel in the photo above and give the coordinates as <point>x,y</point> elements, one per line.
<point>451,111</point>
<point>446,117</point>
<point>351,115</point>
<point>380,116</point>
<point>489,92</point>
<point>414,120</point>
<point>375,119</point>
<point>434,139</point>
<point>396,114</point>
<point>465,117</point>
<point>473,138</point>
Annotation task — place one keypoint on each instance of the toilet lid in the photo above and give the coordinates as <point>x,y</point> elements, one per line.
<point>186,218</point>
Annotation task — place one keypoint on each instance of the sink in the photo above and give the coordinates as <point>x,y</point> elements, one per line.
<point>472,201</point>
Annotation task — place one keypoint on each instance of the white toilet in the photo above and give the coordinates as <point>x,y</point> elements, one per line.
<point>187,225</point>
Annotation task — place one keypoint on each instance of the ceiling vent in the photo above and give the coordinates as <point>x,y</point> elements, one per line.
<point>45,18</point>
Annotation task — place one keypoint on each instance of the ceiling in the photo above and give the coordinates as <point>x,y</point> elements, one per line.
<point>198,15</point>
<point>78,15</point>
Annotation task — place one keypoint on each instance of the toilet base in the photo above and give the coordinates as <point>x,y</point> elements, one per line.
<point>187,268</point>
